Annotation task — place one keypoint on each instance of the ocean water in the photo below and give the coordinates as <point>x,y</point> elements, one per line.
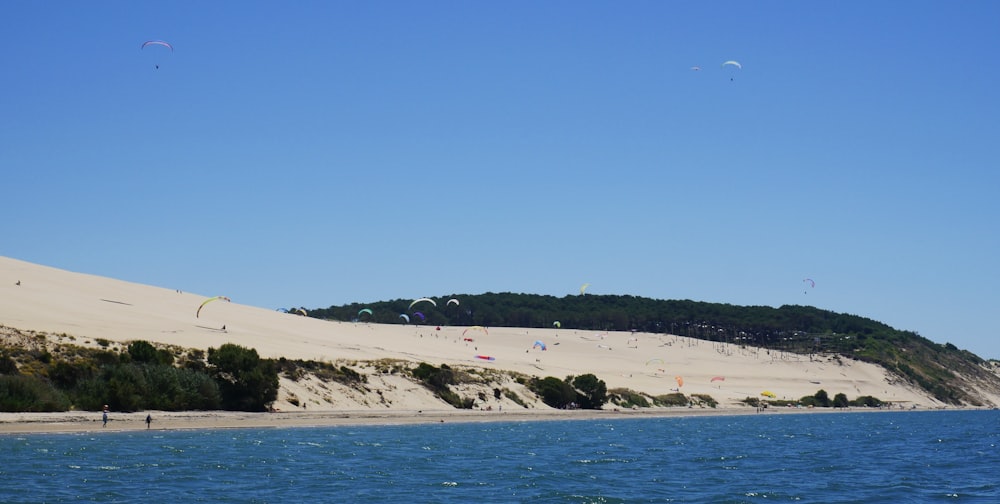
<point>948,456</point>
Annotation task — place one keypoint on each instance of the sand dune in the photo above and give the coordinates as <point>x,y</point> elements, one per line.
<point>89,307</point>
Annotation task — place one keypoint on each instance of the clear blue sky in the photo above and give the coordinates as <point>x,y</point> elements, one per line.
<point>319,153</point>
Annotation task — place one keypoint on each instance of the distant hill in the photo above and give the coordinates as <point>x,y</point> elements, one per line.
<point>949,374</point>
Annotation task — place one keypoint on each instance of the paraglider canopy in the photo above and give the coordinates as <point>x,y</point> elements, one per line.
<point>476,328</point>
<point>415,301</point>
<point>157,42</point>
<point>197,314</point>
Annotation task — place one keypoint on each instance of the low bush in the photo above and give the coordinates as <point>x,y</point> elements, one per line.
<point>29,393</point>
<point>674,399</point>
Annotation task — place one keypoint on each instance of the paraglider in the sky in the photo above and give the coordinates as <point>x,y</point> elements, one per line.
<point>718,378</point>
<point>557,324</point>
<point>209,300</point>
<point>415,301</point>
<point>810,283</point>
<point>450,301</point>
<point>476,328</point>
<point>421,315</point>
<point>405,317</point>
<point>365,310</point>
<point>733,64</point>
<point>696,68</point>
<point>156,43</point>
<point>539,344</point>
<point>583,288</point>
<point>300,311</point>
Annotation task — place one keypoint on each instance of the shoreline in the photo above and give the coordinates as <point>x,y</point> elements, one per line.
<point>90,422</point>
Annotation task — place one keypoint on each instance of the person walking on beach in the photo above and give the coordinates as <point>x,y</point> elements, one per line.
<point>104,416</point>
<point>149,420</point>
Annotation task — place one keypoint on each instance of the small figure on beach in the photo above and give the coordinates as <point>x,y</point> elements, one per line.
<point>104,416</point>
<point>149,420</point>
<point>223,327</point>
<point>18,282</point>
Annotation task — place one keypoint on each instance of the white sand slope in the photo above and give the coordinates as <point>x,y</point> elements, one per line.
<point>90,307</point>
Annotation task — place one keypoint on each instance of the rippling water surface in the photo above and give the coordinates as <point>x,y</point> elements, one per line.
<point>836,457</point>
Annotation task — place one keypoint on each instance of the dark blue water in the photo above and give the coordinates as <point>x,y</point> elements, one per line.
<point>849,457</point>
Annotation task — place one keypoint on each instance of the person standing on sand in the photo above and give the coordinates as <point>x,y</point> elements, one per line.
<point>149,420</point>
<point>104,417</point>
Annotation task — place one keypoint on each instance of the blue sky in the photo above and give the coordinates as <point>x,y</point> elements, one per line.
<point>320,153</point>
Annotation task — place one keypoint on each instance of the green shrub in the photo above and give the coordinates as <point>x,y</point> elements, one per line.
<point>510,394</point>
<point>554,392</point>
<point>674,399</point>
<point>840,401</point>
<point>627,398</point>
<point>247,382</point>
<point>822,398</point>
<point>438,380</point>
<point>7,365</point>
<point>28,393</point>
<point>352,376</point>
<point>66,375</point>
<point>704,400</point>
<point>450,397</point>
<point>867,402</point>
<point>142,351</point>
<point>592,393</point>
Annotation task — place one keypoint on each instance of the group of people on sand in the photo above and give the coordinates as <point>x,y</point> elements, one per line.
<point>104,418</point>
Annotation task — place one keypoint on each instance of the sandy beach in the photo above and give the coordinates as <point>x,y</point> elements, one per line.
<point>89,310</point>
<point>80,422</point>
